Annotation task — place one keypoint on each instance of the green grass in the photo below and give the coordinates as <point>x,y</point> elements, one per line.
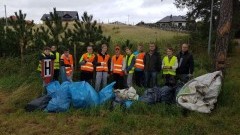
<point>21,86</point>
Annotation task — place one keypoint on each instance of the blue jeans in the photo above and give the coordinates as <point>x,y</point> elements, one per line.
<point>150,79</point>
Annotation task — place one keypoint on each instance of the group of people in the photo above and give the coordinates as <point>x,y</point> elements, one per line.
<point>139,67</point>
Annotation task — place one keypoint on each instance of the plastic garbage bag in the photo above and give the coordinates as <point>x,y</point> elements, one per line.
<point>106,93</point>
<point>38,103</point>
<point>52,88</point>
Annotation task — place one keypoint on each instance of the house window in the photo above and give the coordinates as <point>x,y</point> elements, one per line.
<point>67,16</point>
<point>179,24</point>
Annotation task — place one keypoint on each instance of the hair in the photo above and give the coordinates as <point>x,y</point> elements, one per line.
<point>185,44</point>
<point>46,48</point>
<point>117,46</point>
<point>128,48</point>
<point>104,45</point>
<point>170,48</point>
<point>90,46</point>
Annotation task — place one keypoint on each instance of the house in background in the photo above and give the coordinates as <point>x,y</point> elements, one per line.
<point>66,16</point>
<point>173,21</point>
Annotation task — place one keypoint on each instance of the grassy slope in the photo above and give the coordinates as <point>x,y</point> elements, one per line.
<point>140,119</point>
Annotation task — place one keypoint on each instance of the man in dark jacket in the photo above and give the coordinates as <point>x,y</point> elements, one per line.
<point>185,64</point>
<point>152,66</point>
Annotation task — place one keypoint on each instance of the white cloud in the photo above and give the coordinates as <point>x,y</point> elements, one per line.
<point>103,10</point>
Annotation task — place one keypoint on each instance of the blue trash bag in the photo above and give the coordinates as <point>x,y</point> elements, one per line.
<point>128,103</point>
<point>83,95</point>
<point>52,88</point>
<point>106,93</point>
<point>60,102</point>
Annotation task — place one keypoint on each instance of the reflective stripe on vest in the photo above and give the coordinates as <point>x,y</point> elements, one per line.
<point>117,64</point>
<point>139,61</point>
<point>129,62</point>
<point>88,66</point>
<point>68,61</point>
<point>104,67</point>
<point>169,63</point>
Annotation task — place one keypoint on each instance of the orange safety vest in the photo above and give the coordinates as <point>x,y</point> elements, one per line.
<point>69,61</point>
<point>104,67</point>
<point>139,61</point>
<point>88,66</point>
<point>117,64</point>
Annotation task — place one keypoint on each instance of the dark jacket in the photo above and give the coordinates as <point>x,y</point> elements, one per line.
<point>152,63</point>
<point>43,56</point>
<point>96,63</point>
<point>185,63</point>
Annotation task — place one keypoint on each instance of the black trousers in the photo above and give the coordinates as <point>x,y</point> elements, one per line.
<point>56,75</point>
<point>119,81</point>
<point>87,76</point>
<point>139,78</point>
<point>170,80</point>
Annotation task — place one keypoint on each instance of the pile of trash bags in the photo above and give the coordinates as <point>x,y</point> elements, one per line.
<point>199,94</point>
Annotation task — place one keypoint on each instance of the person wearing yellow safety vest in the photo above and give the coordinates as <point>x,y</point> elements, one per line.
<point>102,63</point>
<point>86,65</point>
<point>139,66</point>
<point>44,55</point>
<point>66,61</point>
<point>117,68</point>
<point>129,61</point>
<point>56,62</point>
<point>169,66</point>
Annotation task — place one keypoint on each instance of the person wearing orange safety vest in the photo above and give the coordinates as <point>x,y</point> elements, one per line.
<point>67,62</point>
<point>102,63</point>
<point>169,66</point>
<point>139,66</point>
<point>117,68</point>
<point>86,65</point>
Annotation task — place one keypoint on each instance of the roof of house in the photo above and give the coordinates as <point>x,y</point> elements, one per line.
<point>65,15</point>
<point>172,19</point>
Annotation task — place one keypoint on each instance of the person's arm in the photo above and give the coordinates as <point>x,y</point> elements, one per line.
<point>95,62</point>
<point>81,61</point>
<point>158,62</point>
<point>123,64</point>
<point>191,65</point>
<point>109,64</point>
<point>174,67</point>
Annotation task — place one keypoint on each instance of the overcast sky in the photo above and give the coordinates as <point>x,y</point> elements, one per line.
<point>103,10</point>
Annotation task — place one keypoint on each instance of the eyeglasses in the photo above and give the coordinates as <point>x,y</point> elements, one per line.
<point>117,49</point>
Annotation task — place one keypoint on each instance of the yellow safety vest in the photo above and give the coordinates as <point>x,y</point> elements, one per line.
<point>169,63</point>
<point>56,61</point>
<point>129,62</point>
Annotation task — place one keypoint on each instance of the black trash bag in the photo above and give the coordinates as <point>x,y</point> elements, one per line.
<point>178,88</point>
<point>151,96</point>
<point>166,94</point>
<point>38,103</point>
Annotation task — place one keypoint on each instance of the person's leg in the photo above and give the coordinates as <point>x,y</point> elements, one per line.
<point>146,79</point>
<point>129,80</point>
<point>121,82</point>
<point>56,75</point>
<point>82,76</point>
<point>141,78</point>
<point>154,79</point>
<point>90,78</point>
<point>98,80</point>
<point>115,78</point>
<point>137,78</point>
<point>105,76</point>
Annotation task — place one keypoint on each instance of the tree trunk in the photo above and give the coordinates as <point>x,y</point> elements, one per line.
<point>223,34</point>
<point>21,49</point>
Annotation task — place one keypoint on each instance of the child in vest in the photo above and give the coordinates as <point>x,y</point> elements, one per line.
<point>169,66</point>
<point>129,61</point>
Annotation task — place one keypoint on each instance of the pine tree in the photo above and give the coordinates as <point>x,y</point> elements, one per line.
<point>22,30</point>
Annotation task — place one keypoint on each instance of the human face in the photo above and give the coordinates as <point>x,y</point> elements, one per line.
<point>169,52</point>
<point>140,48</point>
<point>53,48</point>
<point>90,50</point>
<point>184,47</point>
<point>104,49</point>
<point>47,52</point>
<point>66,53</point>
<point>128,51</point>
<point>152,47</point>
<point>117,51</point>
